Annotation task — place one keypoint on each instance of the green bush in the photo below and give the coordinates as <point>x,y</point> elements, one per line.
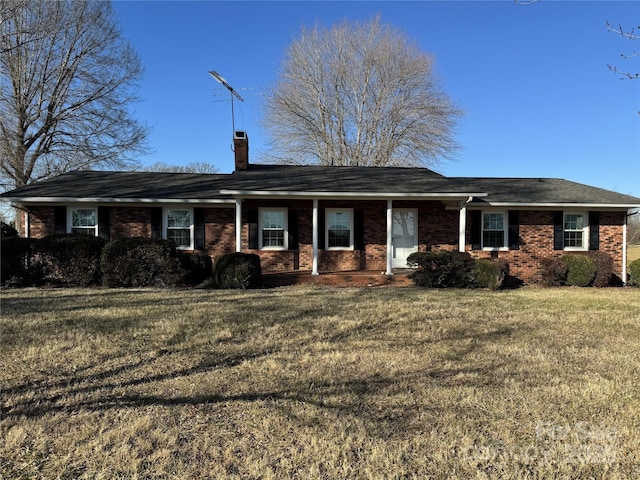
<point>442,269</point>
<point>15,262</point>
<point>198,267</point>
<point>7,230</point>
<point>66,259</point>
<point>603,263</point>
<point>581,270</point>
<point>634,273</point>
<point>489,273</point>
<point>237,270</point>
<point>141,262</point>
<point>553,271</point>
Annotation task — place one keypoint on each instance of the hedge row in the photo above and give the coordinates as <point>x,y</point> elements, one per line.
<point>82,260</point>
<point>460,270</point>
<point>457,270</point>
<point>593,269</point>
<point>55,260</point>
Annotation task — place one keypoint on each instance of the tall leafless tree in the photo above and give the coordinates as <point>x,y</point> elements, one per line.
<point>67,81</point>
<point>631,34</point>
<point>358,94</point>
<point>191,167</point>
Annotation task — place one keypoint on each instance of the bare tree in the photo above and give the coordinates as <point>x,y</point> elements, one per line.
<point>67,80</point>
<point>358,94</point>
<point>631,35</point>
<point>193,167</point>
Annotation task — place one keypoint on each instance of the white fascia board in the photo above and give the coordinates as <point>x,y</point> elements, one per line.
<point>621,206</point>
<point>349,195</point>
<point>117,200</point>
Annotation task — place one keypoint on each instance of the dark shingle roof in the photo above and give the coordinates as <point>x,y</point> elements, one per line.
<point>546,191</point>
<point>301,180</point>
<point>371,180</point>
<point>126,185</point>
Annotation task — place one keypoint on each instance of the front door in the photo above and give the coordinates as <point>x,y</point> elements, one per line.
<point>405,235</point>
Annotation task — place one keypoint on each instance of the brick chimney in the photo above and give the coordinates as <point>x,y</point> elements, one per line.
<point>241,149</point>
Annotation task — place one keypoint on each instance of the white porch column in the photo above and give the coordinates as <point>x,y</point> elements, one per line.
<point>27,226</point>
<point>238,224</point>
<point>462,228</point>
<point>624,250</point>
<point>314,257</point>
<point>389,237</point>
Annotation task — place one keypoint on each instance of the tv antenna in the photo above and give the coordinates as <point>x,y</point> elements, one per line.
<point>220,79</point>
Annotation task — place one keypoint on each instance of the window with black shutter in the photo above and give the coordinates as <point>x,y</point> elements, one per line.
<point>514,230</point>
<point>476,229</point>
<point>594,230</point>
<point>60,219</point>
<point>252,220</point>
<point>104,223</point>
<point>198,227</point>
<point>156,222</point>
<point>292,227</point>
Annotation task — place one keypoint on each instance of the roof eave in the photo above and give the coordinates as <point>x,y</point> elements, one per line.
<point>115,200</point>
<point>555,205</point>
<point>349,195</point>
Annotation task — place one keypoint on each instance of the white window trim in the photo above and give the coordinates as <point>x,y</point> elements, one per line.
<point>505,231</point>
<point>326,230</point>
<point>585,230</point>
<point>165,225</point>
<point>70,211</point>
<point>285,213</point>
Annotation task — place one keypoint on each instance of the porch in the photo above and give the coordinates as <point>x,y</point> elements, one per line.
<point>355,278</point>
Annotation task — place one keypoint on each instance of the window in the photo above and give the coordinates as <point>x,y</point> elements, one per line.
<point>273,227</point>
<point>339,229</point>
<point>574,231</point>
<point>84,221</point>
<point>493,230</point>
<point>179,227</point>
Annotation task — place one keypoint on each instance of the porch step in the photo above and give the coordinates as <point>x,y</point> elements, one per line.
<point>338,279</point>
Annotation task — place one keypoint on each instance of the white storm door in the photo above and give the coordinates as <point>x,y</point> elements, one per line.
<point>405,235</point>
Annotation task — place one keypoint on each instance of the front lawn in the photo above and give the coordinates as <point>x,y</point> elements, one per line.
<point>320,383</point>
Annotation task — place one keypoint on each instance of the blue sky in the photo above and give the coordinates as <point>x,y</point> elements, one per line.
<point>533,81</point>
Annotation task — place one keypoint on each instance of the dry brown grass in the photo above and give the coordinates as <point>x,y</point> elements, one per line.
<point>633,253</point>
<point>320,383</point>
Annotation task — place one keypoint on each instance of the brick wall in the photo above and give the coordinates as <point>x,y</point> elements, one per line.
<point>127,222</point>
<point>41,221</point>
<point>437,227</point>
<point>437,230</point>
<point>536,243</point>
<point>219,231</point>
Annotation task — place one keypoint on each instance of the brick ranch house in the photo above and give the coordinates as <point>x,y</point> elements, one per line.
<point>314,219</point>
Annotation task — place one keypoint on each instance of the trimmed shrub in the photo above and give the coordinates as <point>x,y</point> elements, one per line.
<point>442,269</point>
<point>581,270</point>
<point>15,262</point>
<point>634,273</point>
<point>141,262</point>
<point>70,260</point>
<point>553,271</point>
<point>198,267</point>
<point>489,273</point>
<point>603,263</point>
<point>237,270</point>
<point>7,230</point>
